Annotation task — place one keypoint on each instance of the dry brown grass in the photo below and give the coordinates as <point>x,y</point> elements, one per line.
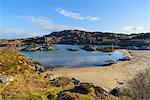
<point>12,62</point>
<point>140,85</point>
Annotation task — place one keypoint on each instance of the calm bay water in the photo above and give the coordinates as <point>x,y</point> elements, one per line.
<point>63,57</point>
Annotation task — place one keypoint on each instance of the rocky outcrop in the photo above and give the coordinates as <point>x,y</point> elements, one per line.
<point>84,88</point>
<point>90,48</point>
<point>95,48</point>
<point>106,49</point>
<point>99,38</point>
<point>85,37</point>
<point>38,48</point>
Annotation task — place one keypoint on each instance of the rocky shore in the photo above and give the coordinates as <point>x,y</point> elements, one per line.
<point>116,75</point>
<point>21,78</point>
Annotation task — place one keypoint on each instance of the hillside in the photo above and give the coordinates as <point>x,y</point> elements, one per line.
<point>84,37</point>
<point>99,38</point>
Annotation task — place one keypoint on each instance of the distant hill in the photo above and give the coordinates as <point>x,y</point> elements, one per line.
<point>96,38</point>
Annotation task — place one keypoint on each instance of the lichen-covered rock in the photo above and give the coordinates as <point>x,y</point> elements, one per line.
<point>50,76</point>
<point>39,68</point>
<point>6,79</point>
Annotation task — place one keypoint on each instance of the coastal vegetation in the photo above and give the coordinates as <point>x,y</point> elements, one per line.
<point>140,85</point>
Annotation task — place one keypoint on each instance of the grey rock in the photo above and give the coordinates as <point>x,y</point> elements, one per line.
<point>120,92</point>
<point>90,48</point>
<point>6,79</point>
<point>67,96</point>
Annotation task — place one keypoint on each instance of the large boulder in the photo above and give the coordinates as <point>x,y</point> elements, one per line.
<point>90,48</point>
<point>75,81</point>
<point>100,92</point>
<point>61,81</point>
<point>67,96</point>
<point>50,76</point>
<point>106,49</point>
<point>118,92</point>
<point>83,88</point>
<point>39,68</point>
<point>6,79</point>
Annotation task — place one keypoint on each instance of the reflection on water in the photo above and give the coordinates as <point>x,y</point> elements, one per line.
<point>63,57</point>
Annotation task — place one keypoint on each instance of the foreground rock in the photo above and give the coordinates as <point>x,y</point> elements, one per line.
<point>61,81</point>
<point>6,79</point>
<point>68,96</point>
<point>84,88</point>
<point>119,92</point>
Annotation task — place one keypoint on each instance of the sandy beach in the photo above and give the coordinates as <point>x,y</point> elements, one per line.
<point>109,77</point>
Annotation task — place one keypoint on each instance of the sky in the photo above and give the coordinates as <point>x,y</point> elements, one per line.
<point>27,18</point>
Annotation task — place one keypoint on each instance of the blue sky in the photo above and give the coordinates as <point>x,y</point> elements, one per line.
<point>26,18</point>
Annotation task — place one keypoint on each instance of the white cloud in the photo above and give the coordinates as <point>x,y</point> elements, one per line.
<point>92,18</point>
<point>44,23</point>
<point>40,25</point>
<point>75,15</point>
<point>69,14</point>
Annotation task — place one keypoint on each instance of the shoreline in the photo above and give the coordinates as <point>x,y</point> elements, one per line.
<point>108,76</point>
